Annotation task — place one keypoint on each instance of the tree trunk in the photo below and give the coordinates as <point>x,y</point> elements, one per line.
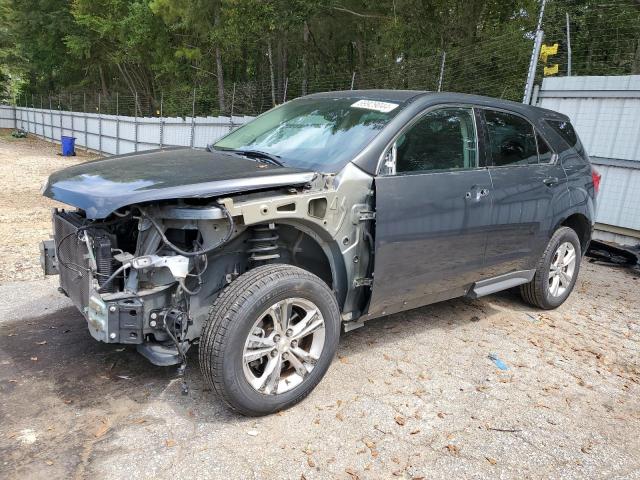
<point>219,70</point>
<point>305,58</point>
<point>271,72</point>
<point>220,74</point>
<point>635,68</point>
<point>284,59</point>
<point>279,72</point>
<point>103,83</point>
<point>360,46</point>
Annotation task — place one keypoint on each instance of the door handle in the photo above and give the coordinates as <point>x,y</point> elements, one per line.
<point>550,181</point>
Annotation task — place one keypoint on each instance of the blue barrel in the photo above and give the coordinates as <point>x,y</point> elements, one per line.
<point>68,146</point>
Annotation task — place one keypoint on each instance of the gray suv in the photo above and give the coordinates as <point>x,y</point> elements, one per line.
<point>322,213</point>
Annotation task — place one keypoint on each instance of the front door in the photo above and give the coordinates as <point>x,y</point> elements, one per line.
<point>432,214</point>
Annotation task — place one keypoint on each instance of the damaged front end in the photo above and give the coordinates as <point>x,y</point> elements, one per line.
<point>137,275</point>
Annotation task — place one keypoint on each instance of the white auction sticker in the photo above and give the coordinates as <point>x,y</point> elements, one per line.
<point>384,107</point>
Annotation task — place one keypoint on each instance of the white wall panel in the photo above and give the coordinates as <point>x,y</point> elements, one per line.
<point>111,135</point>
<point>605,112</point>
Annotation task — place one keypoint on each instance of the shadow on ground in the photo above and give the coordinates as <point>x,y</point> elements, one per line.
<point>61,391</point>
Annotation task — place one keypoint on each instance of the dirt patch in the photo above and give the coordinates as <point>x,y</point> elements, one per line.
<point>25,215</point>
<point>418,394</point>
<point>412,395</point>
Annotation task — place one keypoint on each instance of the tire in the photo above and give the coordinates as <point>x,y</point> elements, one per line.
<point>540,291</point>
<point>225,343</point>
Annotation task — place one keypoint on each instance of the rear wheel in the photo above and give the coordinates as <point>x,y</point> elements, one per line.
<point>556,272</point>
<point>269,339</point>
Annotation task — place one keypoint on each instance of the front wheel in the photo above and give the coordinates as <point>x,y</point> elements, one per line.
<point>556,272</point>
<point>269,339</point>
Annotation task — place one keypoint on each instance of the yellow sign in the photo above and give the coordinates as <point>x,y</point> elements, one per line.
<point>548,50</point>
<point>552,70</point>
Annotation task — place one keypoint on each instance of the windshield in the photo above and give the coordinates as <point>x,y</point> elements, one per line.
<point>320,134</point>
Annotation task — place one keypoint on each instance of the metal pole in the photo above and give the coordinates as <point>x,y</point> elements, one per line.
<point>533,63</point>
<point>61,115</point>
<point>535,95</point>
<point>84,110</point>
<point>71,116</point>
<point>135,124</point>
<point>26,101</point>
<point>233,99</point>
<point>51,117</point>
<point>99,125</point>
<point>193,119</point>
<point>568,47</point>
<point>353,79</point>
<point>441,77</point>
<point>42,116</point>
<point>161,119</point>
<point>117,124</point>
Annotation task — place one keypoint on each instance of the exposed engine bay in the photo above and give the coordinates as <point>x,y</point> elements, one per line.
<point>148,273</point>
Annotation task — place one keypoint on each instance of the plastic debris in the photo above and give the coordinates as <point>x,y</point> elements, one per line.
<point>614,254</point>
<point>499,363</point>
<point>19,133</point>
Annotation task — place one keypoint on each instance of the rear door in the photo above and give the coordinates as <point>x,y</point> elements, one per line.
<point>432,213</point>
<point>529,187</point>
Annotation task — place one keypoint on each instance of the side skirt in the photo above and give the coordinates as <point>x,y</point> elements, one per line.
<point>499,283</point>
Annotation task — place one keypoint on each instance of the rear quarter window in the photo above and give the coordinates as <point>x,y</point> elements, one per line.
<point>569,136</point>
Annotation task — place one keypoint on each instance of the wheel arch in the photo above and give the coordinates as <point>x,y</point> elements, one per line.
<point>332,259</point>
<point>580,224</point>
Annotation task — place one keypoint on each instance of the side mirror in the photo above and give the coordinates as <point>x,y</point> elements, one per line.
<point>389,166</point>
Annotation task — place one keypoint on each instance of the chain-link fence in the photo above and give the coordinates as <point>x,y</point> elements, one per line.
<point>577,38</point>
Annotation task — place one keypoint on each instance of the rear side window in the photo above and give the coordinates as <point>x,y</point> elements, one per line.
<point>570,137</point>
<point>566,131</point>
<point>544,151</point>
<point>512,140</point>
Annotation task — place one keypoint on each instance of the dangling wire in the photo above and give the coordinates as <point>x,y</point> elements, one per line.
<point>184,253</point>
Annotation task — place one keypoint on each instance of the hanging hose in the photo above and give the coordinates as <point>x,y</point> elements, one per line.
<point>113,276</point>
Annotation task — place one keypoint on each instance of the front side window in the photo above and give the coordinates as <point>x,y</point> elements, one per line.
<point>315,133</point>
<point>443,139</point>
<point>512,140</point>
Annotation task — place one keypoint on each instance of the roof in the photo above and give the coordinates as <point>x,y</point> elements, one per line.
<point>427,97</point>
<point>400,96</point>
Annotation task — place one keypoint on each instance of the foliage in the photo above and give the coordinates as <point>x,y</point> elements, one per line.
<point>253,53</point>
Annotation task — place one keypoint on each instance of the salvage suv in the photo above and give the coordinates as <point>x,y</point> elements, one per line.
<point>322,213</point>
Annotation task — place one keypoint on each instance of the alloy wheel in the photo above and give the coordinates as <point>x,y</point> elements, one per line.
<point>562,269</point>
<point>283,346</point>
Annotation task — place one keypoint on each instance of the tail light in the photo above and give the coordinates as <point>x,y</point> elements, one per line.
<point>596,179</point>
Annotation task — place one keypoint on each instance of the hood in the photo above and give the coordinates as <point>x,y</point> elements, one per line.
<point>102,186</point>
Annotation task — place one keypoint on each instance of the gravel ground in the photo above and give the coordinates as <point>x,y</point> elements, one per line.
<point>25,218</point>
<point>412,395</point>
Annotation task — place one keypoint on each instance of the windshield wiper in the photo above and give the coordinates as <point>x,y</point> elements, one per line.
<point>273,159</point>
